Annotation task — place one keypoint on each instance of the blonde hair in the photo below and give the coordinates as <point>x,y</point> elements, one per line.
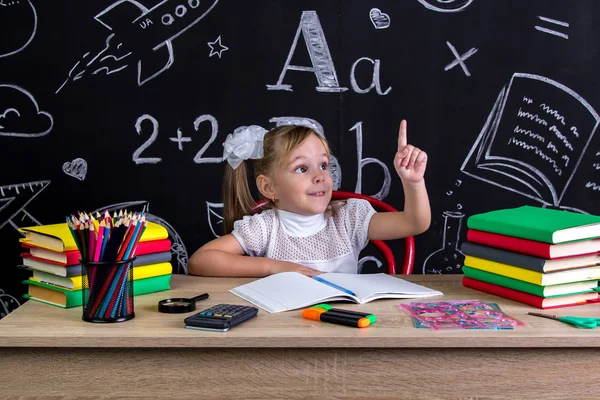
<point>278,144</point>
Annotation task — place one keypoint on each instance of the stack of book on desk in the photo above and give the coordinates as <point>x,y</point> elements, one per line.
<point>541,257</point>
<point>49,251</point>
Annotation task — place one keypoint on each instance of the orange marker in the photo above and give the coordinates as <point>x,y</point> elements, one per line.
<point>319,314</point>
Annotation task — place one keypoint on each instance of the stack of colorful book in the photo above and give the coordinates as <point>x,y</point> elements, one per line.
<point>538,256</point>
<point>50,252</point>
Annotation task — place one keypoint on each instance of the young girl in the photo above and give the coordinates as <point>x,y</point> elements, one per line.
<point>301,231</point>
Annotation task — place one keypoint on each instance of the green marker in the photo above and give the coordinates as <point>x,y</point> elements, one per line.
<point>338,311</point>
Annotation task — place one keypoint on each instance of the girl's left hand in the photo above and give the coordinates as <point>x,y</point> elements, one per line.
<point>410,161</point>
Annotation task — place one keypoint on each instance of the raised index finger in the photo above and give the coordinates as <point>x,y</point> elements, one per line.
<point>402,140</point>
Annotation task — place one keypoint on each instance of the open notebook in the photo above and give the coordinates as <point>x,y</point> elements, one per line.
<point>290,290</point>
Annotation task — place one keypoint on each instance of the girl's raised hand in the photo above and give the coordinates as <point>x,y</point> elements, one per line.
<point>410,161</point>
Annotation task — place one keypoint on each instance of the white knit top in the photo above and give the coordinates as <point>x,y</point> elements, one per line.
<point>329,242</point>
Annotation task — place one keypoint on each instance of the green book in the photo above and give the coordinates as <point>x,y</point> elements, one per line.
<point>65,298</point>
<point>537,290</point>
<point>537,223</point>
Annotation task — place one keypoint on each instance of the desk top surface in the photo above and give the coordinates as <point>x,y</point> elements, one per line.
<point>40,325</point>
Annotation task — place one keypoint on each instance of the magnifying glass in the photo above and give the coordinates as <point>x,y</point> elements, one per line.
<point>180,304</point>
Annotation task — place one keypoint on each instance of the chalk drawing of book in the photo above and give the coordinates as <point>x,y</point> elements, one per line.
<point>533,139</point>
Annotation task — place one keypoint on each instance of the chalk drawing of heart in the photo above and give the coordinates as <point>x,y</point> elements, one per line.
<point>380,20</point>
<point>76,168</point>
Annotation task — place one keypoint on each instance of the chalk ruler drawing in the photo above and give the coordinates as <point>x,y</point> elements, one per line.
<point>20,114</point>
<point>534,139</point>
<point>76,168</point>
<point>13,200</point>
<point>379,19</point>
<point>446,6</point>
<point>177,246</point>
<point>19,13</point>
<point>552,31</point>
<point>217,48</point>
<point>146,33</point>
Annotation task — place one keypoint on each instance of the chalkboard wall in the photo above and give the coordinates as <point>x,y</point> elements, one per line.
<point>127,103</point>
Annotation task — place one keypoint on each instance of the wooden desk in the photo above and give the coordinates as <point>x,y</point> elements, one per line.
<point>50,351</point>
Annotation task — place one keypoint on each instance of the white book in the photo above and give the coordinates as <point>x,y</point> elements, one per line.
<point>291,290</point>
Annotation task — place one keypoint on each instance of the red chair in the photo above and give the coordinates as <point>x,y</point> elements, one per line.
<point>378,205</point>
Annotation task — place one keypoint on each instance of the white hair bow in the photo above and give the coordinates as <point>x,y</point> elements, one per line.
<point>245,142</point>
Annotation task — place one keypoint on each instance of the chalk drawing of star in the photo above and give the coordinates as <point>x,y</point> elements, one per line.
<point>216,47</point>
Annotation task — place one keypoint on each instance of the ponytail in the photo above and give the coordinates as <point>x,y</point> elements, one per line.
<point>237,199</point>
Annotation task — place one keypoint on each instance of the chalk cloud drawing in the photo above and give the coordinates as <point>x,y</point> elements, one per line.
<point>320,57</point>
<point>446,6</point>
<point>146,33</point>
<point>76,168</point>
<point>217,48</point>
<point>379,19</point>
<point>533,139</point>
<point>19,13</point>
<point>20,114</point>
<point>7,304</point>
<point>177,246</point>
<point>13,200</point>
<point>552,31</point>
<point>460,59</point>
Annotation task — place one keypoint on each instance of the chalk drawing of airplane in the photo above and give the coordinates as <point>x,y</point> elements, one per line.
<point>149,32</point>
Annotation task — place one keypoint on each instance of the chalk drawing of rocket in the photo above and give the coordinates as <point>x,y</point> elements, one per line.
<point>150,31</point>
<point>142,34</point>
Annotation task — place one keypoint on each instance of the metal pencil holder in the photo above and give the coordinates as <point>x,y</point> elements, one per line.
<point>107,291</point>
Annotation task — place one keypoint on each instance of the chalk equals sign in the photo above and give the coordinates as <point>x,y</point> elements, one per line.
<point>550,31</point>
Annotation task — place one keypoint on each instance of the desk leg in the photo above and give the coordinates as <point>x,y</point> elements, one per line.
<point>299,373</point>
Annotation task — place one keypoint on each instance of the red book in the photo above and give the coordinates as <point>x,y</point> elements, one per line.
<point>526,298</point>
<point>153,246</point>
<point>72,257</point>
<point>55,257</point>
<point>532,247</point>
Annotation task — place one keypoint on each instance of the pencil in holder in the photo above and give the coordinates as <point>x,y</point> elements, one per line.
<point>107,291</point>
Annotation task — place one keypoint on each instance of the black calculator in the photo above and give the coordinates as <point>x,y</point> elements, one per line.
<point>221,317</point>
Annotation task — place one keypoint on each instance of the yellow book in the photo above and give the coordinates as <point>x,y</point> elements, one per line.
<point>538,278</point>
<point>55,237</point>
<point>76,282</point>
<point>58,237</point>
